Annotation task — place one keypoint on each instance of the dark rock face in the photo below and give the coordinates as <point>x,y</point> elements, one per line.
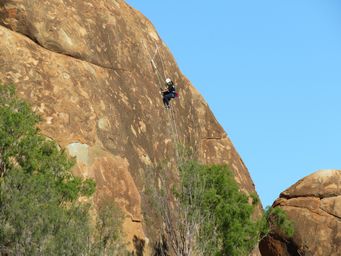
<point>314,205</point>
<point>85,68</point>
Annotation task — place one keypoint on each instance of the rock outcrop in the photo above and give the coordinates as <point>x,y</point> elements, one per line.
<point>314,206</point>
<point>84,65</point>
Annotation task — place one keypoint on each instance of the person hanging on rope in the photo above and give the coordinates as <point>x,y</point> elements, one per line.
<point>169,93</point>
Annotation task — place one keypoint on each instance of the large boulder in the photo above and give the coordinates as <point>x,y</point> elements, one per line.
<point>85,66</point>
<point>313,204</point>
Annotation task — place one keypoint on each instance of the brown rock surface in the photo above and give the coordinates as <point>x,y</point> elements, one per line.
<point>314,206</point>
<point>85,68</point>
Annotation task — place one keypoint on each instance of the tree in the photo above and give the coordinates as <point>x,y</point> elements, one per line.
<point>40,210</point>
<point>229,228</point>
<point>40,213</point>
<point>205,213</point>
<point>107,231</point>
<point>181,215</point>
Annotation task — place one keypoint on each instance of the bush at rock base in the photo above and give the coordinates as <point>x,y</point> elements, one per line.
<point>40,210</point>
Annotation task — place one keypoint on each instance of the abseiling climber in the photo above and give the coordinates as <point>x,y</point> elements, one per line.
<point>169,93</point>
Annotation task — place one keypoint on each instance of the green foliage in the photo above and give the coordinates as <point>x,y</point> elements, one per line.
<point>107,233</point>
<point>276,218</point>
<point>228,228</point>
<point>40,213</point>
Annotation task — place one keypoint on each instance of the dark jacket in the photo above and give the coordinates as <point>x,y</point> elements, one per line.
<point>170,90</point>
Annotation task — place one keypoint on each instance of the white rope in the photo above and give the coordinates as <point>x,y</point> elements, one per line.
<point>177,141</point>
<point>157,70</point>
<point>175,144</point>
<point>156,50</point>
<point>154,66</point>
<point>175,126</point>
<point>171,115</point>
<point>162,64</point>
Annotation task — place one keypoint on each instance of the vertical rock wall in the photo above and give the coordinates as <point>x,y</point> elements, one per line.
<point>84,65</point>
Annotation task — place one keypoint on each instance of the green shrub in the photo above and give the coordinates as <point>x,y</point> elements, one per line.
<point>107,238</point>
<point>228,228</point>
<point>277,219</point>
<point>40,213</point>
<point>205,213</point>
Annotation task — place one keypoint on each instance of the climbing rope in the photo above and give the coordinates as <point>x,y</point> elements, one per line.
<point>175,126</point>
<point>173,134</point>
<point>170,112</point>
<point>165,76</point>
<point>156,71</point>
<point>162,63</point>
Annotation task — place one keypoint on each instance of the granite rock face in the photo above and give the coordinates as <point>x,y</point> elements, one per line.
<point>314,206</point>
<point>84,65</point>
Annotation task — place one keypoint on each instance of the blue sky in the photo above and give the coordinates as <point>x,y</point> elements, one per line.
<point>271,73</point>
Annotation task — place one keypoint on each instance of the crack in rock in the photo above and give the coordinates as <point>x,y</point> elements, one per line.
<point>35,41</point>
<point>289,197</point>
<point>212,138</point>
<point>312,211</point>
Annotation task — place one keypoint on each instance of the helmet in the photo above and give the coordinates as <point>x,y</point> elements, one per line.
<point>169,81</point>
